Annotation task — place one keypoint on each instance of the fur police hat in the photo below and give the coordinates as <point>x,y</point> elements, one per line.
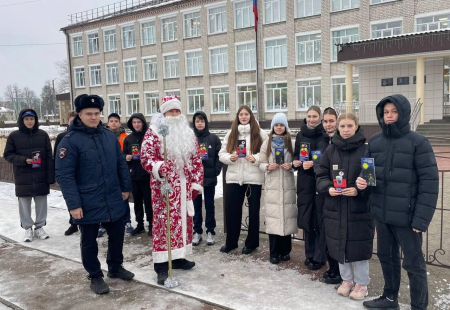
<point>88,101</point>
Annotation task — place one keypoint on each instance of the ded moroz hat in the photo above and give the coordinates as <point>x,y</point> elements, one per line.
<point>170,102</point>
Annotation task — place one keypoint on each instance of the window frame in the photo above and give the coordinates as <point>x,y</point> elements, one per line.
<point>91,45</point>
<point>382,1</point>
<point>344,9</point>
<point>174,33</point>
<point>172,92</point>
<point>99,76</point>
<point>144,38</point>
<point>122,36</point>
<point>138,102</point>
<point>108,42</point>
<point>386,21</point>
<point>146,93</point>
<point>249,13</point>
<point>252,56</point>
<point>334,77</point>
<point>119,112</point>
<point>296,3</point>
<point>144,68</point>
<point>220,94</point>
<point>238,104</point>
<point>314,79</point>
<point>432,14</point>
<point>125,70</point>
<point>199,62</point>
<point>79,45</point>
<point>196,96</point>
<point>177,64</point>
<point>266,97</point>
<point>304,34</point>
<point>265,52</point>
<point>217,6</point>
<point>333,47</point>
<point>280,17</point>
<point>76,78</point>
<point>211,49</point>
<point>107,72</point>
<point>197,29</point>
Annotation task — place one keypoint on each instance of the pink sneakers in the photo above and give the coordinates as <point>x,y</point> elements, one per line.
<point>345,288</point>
<point>359,292</point>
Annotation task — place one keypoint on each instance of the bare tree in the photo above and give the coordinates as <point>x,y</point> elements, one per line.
<point>63,83</point>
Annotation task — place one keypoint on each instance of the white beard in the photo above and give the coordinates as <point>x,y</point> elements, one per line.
<point>180,141</point>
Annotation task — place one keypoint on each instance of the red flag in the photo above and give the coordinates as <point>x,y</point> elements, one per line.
<point>255,12</point>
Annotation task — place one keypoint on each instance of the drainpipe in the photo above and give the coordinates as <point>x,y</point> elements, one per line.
<point>69,59</point>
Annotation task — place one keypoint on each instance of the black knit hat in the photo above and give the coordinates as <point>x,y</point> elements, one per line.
<point>88,101</point>
<point>114,115</point>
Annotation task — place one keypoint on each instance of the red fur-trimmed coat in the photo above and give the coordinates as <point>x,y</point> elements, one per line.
<point>152,160</point>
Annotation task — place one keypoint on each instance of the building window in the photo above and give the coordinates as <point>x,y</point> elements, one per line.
<point>343,36</point>
<point>380,1</point>
<point>128,37</point>
<point>132,103</point>
<point>307,8</point>
<point>247,95</point>
<point>148,33</point>
<point>114,104</point>
<point>151,103</point>
<point>276,95</point>
<point>435,22</point>
<point>243,14</point>
<point>309,94</point>
<point>171,69</point>
<point>79,77</point>
<point>112,73</point>
<point>274,11</point>
<point>150,69</point>
<point>309,49</point>
<point>387,29</point>
<point>169,29</point>
<point>339,89</point>
<point>220,99</point>
<point>77,46</point>
<point>219,60</point>
<point>95,75</point>
<point>246,57</point>
<point>217,20</point>
<point>192,25</point>
<point>196,100</point>
<point>340,5</point>
<point>130,71</point>
<point>194,63</point>
<point>173,92</point>
<point>92,43</point>
<point>110,40</point>
<point>276,53</point>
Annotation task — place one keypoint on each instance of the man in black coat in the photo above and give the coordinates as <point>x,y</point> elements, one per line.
<point>403,201</point>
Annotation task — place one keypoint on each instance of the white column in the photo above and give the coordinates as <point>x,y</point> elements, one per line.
<point>420,86</point>
<point>349,88</point>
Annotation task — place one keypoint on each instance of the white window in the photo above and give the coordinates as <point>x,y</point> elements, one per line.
<point>305,8</point>
<point>381,30</point>
<point>128,36</point>
<point>276,96</point>
<point>309,49</point>
<point>196,100</point>
<point>247,95</point>
<point>276,53</point>
<point>93,43</point>
<point>217,20</point>
<point>150,69</point>
<point>110,40</point>
<point>274,11</point>
<point>380,1</point>
<point>343,36</point>
<point>169,29</point>
<point>112,73</point>
<point>95,74</point>
<point>192,25</point>
<point>173,92</point>
<point>339,89</point>
<point>77,46</point>
<point>151,103</point>
<point>243,14</point>
<point>132,103</point>
<point>194,63</point>
<point>79,77</point>
<point>435,22</point>
<point>130,68</point>
<point>309,94</point>
<point>148,33</point>
<point>114,104</point>
<point>171,69</point>
<point>220,99</point>
<point>339,5</point>
<point>246,57</point>
<point>219,60</point>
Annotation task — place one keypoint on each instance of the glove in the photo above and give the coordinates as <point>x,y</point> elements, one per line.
<point>190,208</point>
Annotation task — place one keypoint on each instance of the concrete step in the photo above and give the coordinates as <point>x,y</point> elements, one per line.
<point>435,126</point>
<point>440,133</point>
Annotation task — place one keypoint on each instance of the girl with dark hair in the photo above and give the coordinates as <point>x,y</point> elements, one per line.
<point>243,178</point>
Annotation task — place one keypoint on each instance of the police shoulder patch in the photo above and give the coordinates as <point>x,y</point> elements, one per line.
<point>69,134</point>
<point>62,152</point>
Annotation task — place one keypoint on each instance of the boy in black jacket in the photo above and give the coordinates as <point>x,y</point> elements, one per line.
<point>209,145</point>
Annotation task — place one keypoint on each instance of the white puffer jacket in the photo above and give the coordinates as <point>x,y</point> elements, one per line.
<point>242,171</point>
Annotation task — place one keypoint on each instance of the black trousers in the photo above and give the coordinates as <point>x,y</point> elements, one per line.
<point>233,213</point>
<point>389,240</point>
<point>89,247</point>
<point>210,220</point>
<point>164,267</point>
<point>310,243</point>
<point>280,245</point>
<point>142,197</point>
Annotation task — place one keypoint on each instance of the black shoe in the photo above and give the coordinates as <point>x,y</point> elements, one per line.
<point>247,251</point>
<point>285,258</point>
<point>162,276</point>
<point>72,229</point>
<point>326,274</point>
<point>274,260</point>
<point>98,286</point>
<point>308,261</point>
<point>138,230</point>
<point>381,303</point>
<point>122,274</point>
<point>333,279</point>
<point>313,265</point>
<point>225,249</point>
<point>183,264</point>
<point>150,231</point>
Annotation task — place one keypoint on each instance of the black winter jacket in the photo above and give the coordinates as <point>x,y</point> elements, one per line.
<point>306,179</point>
<point>349,224</point>
<point>406,171</point>
<point>320,198</point>
<point>59,138</point>
<point>20,145</point>
<point>132,144</point>
<point>212,166</point>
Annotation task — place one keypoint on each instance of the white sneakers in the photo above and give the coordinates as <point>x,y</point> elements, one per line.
<point>196,239</point>
<point>28,235</point>
<point>41,234</point>
<point>210,239</point>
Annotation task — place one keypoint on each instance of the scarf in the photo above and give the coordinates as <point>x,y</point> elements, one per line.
<point>312,127</point>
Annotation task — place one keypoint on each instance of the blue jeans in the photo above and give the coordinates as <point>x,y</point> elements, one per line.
<point>210,220</point>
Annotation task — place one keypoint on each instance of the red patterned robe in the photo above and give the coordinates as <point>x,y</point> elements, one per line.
<point>187,184</point>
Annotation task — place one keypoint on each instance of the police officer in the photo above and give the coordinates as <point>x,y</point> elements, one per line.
<point>94,180</point>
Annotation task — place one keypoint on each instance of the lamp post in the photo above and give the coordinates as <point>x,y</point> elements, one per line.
<point>54,98</point>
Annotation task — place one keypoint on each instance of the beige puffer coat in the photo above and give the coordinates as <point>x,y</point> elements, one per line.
<point>279,195</point>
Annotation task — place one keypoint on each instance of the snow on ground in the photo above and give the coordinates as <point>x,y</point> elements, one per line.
<point>3,307</point>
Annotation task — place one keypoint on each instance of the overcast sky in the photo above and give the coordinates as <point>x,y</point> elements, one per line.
<point>35,22</point>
